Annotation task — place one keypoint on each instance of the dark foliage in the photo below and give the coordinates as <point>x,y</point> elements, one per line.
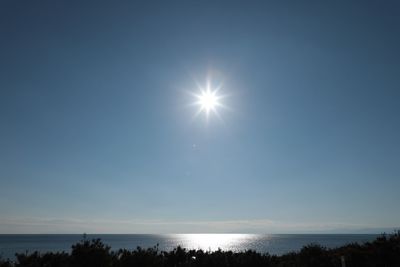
<point>382,252</point>
<point>5,263</point>
<point>91,253</point>
<point>48,259</point>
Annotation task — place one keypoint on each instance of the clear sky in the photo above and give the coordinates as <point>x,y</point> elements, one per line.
<point>97,133</point>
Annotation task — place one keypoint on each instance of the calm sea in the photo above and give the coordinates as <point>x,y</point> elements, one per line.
<point>274,244</point>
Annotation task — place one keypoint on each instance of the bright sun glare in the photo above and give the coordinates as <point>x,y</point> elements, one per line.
<point>208,100</point>
<point>215,241</point>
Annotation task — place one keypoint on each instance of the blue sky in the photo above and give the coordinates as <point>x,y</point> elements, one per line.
<point>97,133</point>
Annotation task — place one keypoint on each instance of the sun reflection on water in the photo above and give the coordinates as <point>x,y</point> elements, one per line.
<point>215,241</point>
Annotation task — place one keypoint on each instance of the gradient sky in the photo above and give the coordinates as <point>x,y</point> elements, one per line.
<point>97,133</point>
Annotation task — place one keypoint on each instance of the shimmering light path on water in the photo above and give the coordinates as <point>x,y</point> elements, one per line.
<point>273,244</point>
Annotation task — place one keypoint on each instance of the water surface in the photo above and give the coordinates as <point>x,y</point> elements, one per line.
<point>273,244</point>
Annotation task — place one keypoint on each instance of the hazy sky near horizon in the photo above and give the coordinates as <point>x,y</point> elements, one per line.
<point>97,133</point>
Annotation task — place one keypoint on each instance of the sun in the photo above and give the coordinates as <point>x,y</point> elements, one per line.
<point>208,100</point>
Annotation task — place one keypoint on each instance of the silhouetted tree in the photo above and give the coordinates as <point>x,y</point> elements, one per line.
<point>91,253</point>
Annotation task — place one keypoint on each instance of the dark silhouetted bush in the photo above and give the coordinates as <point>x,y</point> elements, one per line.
<point>314,255</point>
<point>382,252</point>
<point>139,257</point>
<point>48,259</point>
<point>5,263</point>
<point>91,253</point>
